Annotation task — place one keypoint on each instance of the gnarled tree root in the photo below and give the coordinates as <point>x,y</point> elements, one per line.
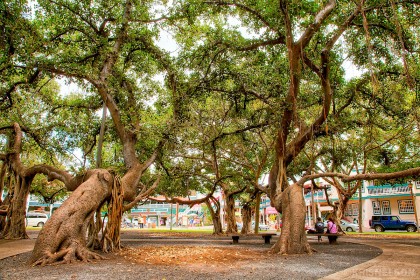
<point>75,252</point>
<point>283,250</point>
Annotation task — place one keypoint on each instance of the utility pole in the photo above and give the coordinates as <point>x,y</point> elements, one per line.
<point>360,209</point>
<point>410,185</point>
<point>313,206</point>
<point>171,221</point>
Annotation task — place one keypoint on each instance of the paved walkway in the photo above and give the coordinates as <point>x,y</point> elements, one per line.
<point>397,260</point>
<point>10,248</point>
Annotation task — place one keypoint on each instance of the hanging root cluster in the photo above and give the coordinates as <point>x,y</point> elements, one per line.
<point>13,225</point>
<point>94,227</point>
<point>111,235</point>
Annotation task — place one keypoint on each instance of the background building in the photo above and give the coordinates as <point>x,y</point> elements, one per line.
<point>397,199</point>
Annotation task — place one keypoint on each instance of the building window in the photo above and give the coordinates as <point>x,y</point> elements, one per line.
<point>405,206</point>
<point>376,208</point>
<point>347,211</point>
<point>386,207</point>
<point>355,209</point>
<point>417,183</point>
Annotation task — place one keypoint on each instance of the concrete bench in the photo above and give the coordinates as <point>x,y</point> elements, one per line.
<point>267,237</point>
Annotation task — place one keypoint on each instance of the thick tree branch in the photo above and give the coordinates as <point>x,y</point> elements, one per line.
<point>315,26</point>
<point>52,173</point>
<point>244,8</point>
<point>412,172</point>
<point>142,195</point>
<point>239,131</point>
<point>185,201</point>
<point>256,45</point>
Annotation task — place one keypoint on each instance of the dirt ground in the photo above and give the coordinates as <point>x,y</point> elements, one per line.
<point>195,256</point>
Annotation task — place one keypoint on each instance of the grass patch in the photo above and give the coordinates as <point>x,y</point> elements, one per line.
<point>33,228</point>
<point>385,234</point>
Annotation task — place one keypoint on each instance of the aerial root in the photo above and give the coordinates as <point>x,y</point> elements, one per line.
<point>68,255</point>
<point>283,250</point>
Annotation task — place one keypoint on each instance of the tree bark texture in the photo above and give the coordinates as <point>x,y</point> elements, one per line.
<point>63,238</point>
<point>15,226</point>
<point>94,228</point>
<point>4,204</point>
<point>230,214</point>
<point>246,213</point>
<point>257,213</point>
<point>293,237</point>
<point>111,235</point>
<point>4,209</point>
<point>343,201</point>
<point>215,215</point>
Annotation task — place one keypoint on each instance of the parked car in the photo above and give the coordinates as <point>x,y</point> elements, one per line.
<point>260,226</point>
<point>347,226</point>
<point>36,219</point>
<point>386,222</point>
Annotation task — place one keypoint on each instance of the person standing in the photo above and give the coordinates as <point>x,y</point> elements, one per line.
<point>319,227</point>
<point>332,228</point>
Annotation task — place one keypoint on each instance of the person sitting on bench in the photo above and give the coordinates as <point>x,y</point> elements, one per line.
<point>332,228</point>
<point>319,227</point>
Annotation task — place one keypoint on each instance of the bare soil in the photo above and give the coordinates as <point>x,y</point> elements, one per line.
<point>195,256</point>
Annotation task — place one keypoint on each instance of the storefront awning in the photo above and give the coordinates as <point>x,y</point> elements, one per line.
<point>270,210</point>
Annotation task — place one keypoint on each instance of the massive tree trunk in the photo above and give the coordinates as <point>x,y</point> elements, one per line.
<point>230,214</point>
<point>246,213</point>
<point>293,237</point>
<point>63,238</point>
<point>288,200</point>
<point>215,215</point>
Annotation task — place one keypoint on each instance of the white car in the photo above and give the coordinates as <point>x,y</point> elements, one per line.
<point>36,219</point>
<point>347,226</point>
<point>260,226</point>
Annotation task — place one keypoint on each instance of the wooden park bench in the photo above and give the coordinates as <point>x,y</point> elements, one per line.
<point>265,236</point>
<point>235,239</point>
<point>325,234</point>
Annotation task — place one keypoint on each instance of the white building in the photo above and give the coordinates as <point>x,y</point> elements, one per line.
<point>400,199</point>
